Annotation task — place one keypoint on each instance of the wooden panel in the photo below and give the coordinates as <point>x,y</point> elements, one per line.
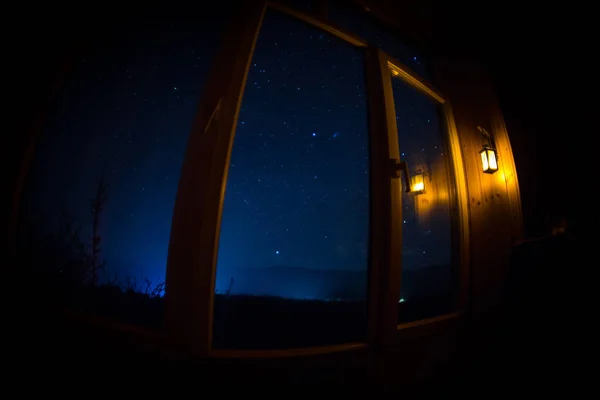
<point>508,176</point>
<point>298,352</point>
<point>462,237</point>
<point>494,203</point>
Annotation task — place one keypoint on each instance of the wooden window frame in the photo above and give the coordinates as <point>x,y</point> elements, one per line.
<point>388,67</point>
<point>193,248</point>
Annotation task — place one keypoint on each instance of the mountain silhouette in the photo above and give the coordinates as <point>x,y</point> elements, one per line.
<point>329,284</point>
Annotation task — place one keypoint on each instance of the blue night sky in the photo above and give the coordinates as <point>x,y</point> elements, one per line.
<point>297,197</point>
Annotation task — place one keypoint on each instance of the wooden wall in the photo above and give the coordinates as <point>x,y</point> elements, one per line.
<point>494,199</point>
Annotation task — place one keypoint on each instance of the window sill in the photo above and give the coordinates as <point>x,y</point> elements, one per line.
<point>147,340</point>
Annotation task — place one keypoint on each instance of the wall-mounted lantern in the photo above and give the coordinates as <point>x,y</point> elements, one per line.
<point>489,158</point>
<point>415,182</point>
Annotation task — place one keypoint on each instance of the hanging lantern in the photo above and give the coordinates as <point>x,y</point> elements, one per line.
<point>417,183</point>
<point>489,161</point>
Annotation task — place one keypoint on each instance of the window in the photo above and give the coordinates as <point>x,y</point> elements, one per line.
<point>428,282</point>
<point>293,241</point>
<point>96,213</point>
<point>293,248</point>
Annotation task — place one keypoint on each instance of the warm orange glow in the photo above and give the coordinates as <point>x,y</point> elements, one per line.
<point>492,160</point>
<point>418,187</point>
<point>484,161</point>
<point>488,160</point>
<point>417,184</point>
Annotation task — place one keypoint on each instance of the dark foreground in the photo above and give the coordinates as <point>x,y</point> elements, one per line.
<point>256,322</point>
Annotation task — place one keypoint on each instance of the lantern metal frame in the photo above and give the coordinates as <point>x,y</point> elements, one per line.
<point>402,168</point>
<point>489,148</point>
<point>487,153</point>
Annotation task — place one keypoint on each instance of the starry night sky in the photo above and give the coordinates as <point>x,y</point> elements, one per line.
<point>297,196</point>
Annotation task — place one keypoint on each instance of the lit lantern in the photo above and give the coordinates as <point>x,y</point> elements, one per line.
<point>417,183</point>
<point>489,161</point>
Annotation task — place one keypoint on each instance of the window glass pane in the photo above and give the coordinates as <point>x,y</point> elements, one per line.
<point>107,166</point>
<point>355,19</point>
<point>292,264</point>
<point>428,280</point>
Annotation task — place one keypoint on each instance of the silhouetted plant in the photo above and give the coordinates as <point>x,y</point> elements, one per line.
<point>131,285</point>
<point>148,288</point>
<point>70,254</point>
<point>52,259</point>
<point>154,290</point>
<point>97,207</point>
<point>228,292</point>
<point>114,281</point>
